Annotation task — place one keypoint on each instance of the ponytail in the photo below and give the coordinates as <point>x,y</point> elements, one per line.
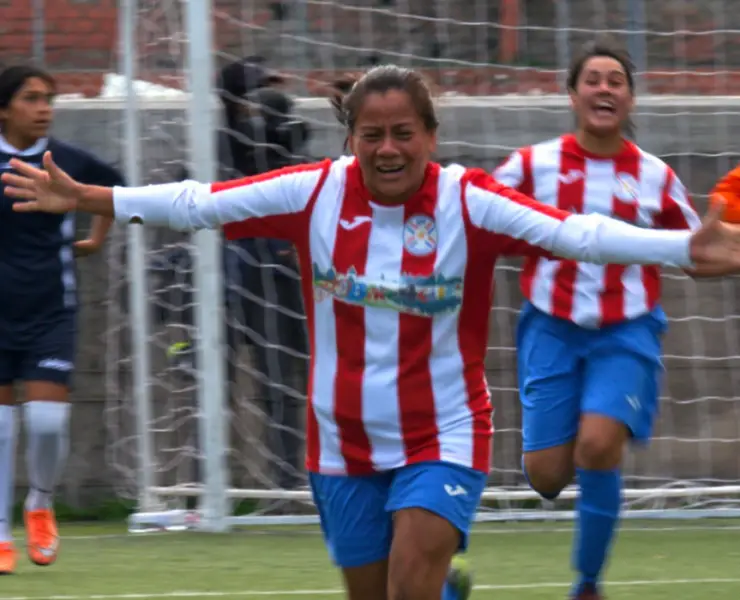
<point>340,89</point>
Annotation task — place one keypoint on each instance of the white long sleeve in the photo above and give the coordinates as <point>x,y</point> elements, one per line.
<point>170,205</point>
<point>590,238</point>
<point>598,239</point>
<point>189,205</point>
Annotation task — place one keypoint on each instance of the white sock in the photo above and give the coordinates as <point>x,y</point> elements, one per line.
<point>7,471</point>
<point>47,431</point>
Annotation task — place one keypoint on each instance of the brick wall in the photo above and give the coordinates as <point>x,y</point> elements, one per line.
<point>441,38</point>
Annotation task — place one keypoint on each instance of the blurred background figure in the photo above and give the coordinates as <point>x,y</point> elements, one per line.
<point>262,288</point>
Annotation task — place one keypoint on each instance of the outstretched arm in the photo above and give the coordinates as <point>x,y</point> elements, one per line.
<point>522,225</point>
<point>267,205</point>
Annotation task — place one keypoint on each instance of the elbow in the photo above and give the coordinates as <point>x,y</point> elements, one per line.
<point>579,238</point>
<point>584,250</point>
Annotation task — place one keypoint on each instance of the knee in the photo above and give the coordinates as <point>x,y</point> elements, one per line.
<point>600,443</point>
<point>47,418</point>
<point>423,546</point>
<point>549,471</point>
<point>409,575</point>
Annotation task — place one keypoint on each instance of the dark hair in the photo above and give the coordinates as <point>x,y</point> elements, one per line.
<point>610,48</point>
<point>14,78</point>
<point>349,94</point>
<point>602,46</point>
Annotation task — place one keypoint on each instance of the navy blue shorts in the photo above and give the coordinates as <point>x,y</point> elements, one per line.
<point>356,513</point>
<point>48,355</point>
<point>565,370</point>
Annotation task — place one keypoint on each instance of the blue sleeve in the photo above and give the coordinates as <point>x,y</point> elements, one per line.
<point>98,172</point>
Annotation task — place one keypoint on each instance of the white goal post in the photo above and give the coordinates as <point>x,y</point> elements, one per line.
<point>188,449</point>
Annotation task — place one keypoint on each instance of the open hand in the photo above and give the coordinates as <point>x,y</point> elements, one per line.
<point>715,246</point>
<point>48,190</point>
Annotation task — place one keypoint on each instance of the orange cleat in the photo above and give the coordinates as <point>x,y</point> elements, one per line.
<point>42,537</point>
<point>8,558</point>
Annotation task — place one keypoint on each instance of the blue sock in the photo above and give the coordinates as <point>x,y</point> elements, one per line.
<point>598,514</point>
<point>449,592</point>
<point>529,483</point>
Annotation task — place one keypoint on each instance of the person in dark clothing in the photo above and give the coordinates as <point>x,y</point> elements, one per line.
<point>38,310</point>
<point>237,81</point>
<point>262,287</point>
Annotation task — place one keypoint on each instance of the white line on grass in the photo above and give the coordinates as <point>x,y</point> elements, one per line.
<point>336,592</point>
<point>483,531</point>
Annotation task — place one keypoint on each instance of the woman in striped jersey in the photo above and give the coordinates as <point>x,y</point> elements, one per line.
<point>589,336</point>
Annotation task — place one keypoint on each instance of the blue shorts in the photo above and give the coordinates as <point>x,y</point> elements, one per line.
<point>45,356</point>
<point>357,512</point>
<point>565,370</point>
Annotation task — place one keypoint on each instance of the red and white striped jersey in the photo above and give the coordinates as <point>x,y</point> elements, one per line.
<point>397,297</point>
<point>633,186</point>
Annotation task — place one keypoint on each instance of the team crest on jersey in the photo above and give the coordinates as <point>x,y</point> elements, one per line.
<point>626,187</point>
<point>420,235</point>
<point>417,295</point>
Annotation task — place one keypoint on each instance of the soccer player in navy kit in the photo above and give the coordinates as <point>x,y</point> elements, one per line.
<point>38,308</point>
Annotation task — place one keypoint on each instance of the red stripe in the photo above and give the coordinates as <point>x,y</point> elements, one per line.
<point>417,410</point>
<point>611,298</point>
<point>276,225</point>
<point>472,334</point>
<point>651,281</point>
<point>350,252</point>
<point>671,217</point>
<point>570,198</point>
<point>526,187</point>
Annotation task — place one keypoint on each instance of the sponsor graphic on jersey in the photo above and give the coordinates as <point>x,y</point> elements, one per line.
<point>572,176</point>
<point>625,187</point>
<point>424,296</point>
<point>420,235</point>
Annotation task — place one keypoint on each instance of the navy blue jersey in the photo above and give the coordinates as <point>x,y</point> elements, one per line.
<point>37,271</point>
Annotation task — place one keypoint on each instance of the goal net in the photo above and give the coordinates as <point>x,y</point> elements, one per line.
<point>497,67</point>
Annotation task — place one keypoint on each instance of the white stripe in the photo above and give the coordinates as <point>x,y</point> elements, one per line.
<point>511,172</point>
<point>66,260</point>
<point>323,228</point>
<point>545,173</point>
<point>454,419</point>
<point>598,194</point>
<point>380,401</point>
<point>650,180</point>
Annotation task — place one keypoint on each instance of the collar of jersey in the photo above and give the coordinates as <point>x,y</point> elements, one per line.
<point>427,191</point>
<point>571,146</point>
<point>39,147</point>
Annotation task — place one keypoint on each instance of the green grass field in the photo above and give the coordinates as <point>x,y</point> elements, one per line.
<point>653,561</point>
